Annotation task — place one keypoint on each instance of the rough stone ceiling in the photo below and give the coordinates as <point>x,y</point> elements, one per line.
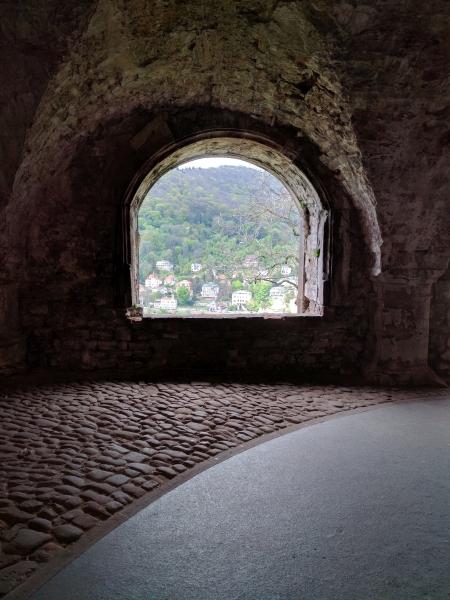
<point>366,83</point>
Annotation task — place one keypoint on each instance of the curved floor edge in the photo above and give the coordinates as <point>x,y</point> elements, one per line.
<point>397,449</point>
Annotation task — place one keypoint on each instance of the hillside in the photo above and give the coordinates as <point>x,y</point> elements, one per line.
<point>217,217</point>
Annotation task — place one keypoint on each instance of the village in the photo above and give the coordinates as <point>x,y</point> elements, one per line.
<point>249,289</point>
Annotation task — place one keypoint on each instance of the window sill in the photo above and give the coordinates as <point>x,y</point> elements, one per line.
<point>206,316</point>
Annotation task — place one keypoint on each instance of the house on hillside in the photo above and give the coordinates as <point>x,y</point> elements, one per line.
<point>286,270</point>
<point>169,280</point>
<point>164,265</point>
<point>152,281</point>
<point>277,292</point>
<point>210,290</point>
<point>169,303</point>
<point>277,297</point>
<point>241,297</point>
<point>196,267</point>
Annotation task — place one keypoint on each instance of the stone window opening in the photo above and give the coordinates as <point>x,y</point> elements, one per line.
<point>312,249</point>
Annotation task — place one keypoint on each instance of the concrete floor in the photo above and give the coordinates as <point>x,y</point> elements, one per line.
<point>354,508</point>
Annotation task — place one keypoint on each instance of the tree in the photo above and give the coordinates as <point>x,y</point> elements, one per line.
<point>155,296</point>
<point>260,292</point>
<point>183,295</point>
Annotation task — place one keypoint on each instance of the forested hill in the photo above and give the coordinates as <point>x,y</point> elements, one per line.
<point>201,215</point>
<point>223,183</point>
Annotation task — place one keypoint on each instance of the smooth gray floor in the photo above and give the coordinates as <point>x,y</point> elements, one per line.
<point>355,508</point>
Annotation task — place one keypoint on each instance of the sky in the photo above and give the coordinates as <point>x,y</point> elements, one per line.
<point>217,161</point>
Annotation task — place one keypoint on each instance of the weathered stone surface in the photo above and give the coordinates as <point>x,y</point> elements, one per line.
<point>27,540</point>
<point>98,474</point>
<point>11,576</point>
<point>12,515</point>
<point>440,327</point>
<point>197,426</point>
<point>85,521</point>
<point>118,479</point>
<point>133,457</point>
<point>73,480</point>
<point>40,524</point>
<point>47,552</point>
<point>67,533</point>
<point>142,468</point>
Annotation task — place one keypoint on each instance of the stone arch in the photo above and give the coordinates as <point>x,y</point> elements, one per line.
<point>314,247</point>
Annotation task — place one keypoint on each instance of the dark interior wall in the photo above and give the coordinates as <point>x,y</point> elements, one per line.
<point>34,39</point>
<point>440,327</point>
<point>361,90</point>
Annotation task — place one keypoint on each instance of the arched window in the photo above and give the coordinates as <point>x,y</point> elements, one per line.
<point>228,227</point>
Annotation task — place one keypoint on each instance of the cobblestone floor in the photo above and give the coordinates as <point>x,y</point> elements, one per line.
<point>73,455</point>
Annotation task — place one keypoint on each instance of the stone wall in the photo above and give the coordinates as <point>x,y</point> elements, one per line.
<point>356,94</point>
<point>76,290</point>
<point>440,327</point>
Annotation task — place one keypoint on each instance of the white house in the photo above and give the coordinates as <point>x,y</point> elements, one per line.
<point>210,290</point>
<point>241,297</point>
<point>152,281</point>
<point>277,292</point>
<point>277,296</point>
<point>169,303</point>
<point>196,267</point>
<point>164,265</point>
<point>286,270</point>
<point>277,304</point>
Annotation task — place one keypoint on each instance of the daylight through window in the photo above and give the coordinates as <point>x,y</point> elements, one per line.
<point>220,236</point>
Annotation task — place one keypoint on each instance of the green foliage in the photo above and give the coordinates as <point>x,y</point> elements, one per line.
<point>206,216</point>
<point>183,296</point>
<point>236,285</point>
<point>253,306</point>
<point>260,293</point>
